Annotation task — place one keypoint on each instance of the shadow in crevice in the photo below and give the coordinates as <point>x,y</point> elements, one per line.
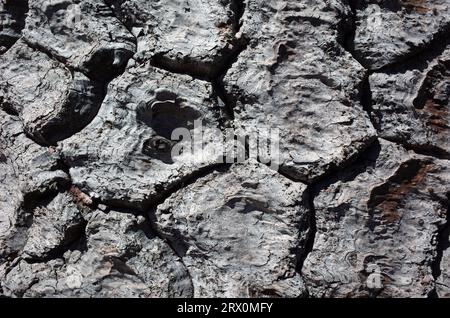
<point>12,16</point>
<point>367,160</point>
<point>443,243</point>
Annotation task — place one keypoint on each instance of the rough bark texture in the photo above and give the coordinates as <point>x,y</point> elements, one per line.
<point>93,204</point>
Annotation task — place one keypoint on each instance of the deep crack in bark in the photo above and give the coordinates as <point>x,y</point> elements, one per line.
<point>443,243</point>
<point>312,231</point>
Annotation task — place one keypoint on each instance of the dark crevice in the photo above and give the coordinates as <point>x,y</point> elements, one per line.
<point>443,243</point>
<point>204,71</point>
<point>238,7</point>
<point>7,108</point>
<point>7,42</point>
<point>62,165</point>
<point>219,86</point>
<point>347,31</point>
<point>312,229</point>
<point>429,151</point>
<point>12,22</point>
<point>37,141</point>
<point>424,150</point>
<point>433,294</point>
<point>348,27</point>
<point>427,90</point>
<point>102,67</point>
<point>365,95</point>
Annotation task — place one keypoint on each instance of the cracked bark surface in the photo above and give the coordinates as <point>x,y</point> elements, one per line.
<point>92,204</point>
<point>52,102</point>
<point>410,104</point>
<point>378,234</point>
<point>225,235</point>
